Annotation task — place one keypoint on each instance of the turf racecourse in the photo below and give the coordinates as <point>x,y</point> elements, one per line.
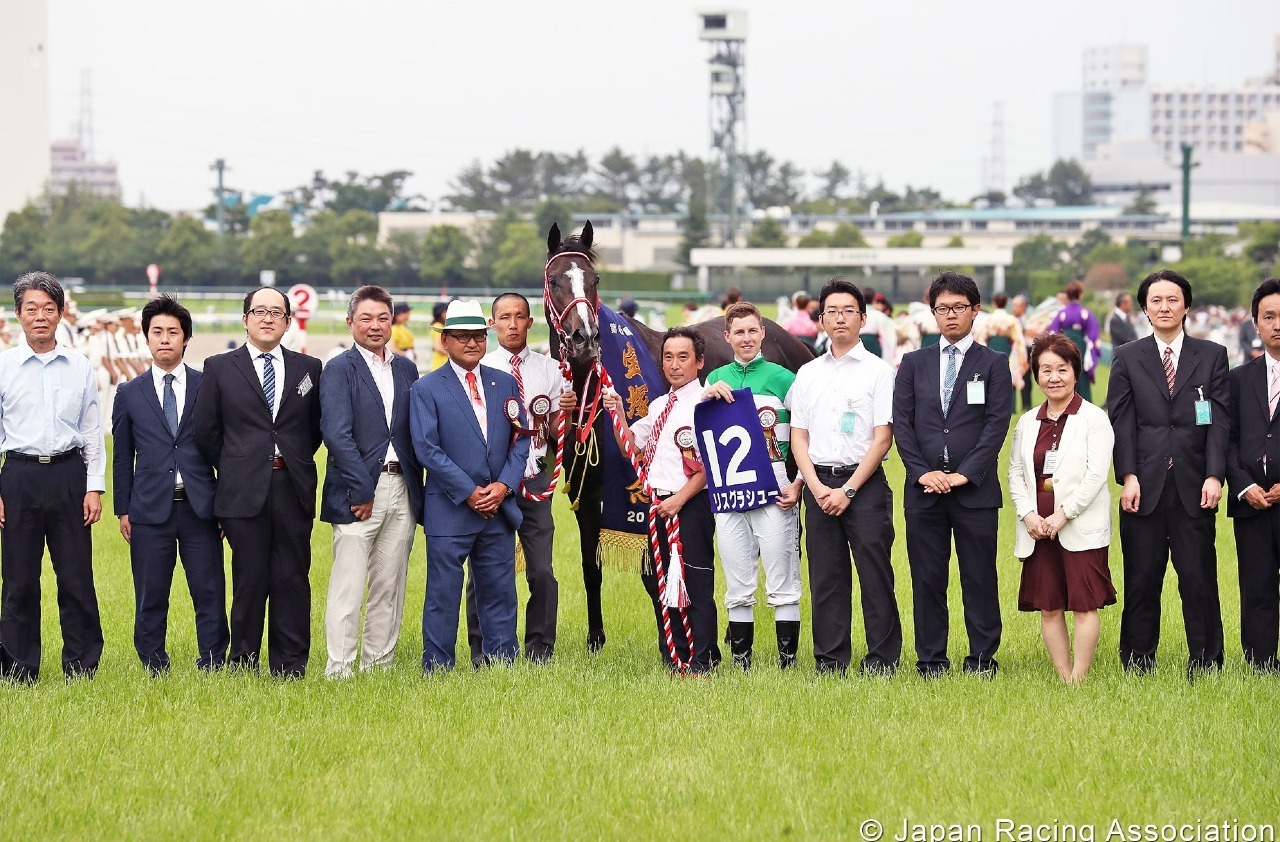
<point>610,746</point>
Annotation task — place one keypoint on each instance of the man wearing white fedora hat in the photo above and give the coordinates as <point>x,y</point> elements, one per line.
<point>461,420</point>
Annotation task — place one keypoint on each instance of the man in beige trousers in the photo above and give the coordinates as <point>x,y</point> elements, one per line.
<point>372,489</point>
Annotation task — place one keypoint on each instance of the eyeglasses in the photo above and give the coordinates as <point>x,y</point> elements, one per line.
<point>263,312</point>
<point>468,338</point>
<point>850,313</point>
<point>959,309</point>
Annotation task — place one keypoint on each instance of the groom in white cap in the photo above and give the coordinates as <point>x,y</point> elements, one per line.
<point>461,419</point>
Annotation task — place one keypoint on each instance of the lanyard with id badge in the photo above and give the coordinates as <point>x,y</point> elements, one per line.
<point>847,418</point>
<point>975,392</point>
<point>1204,410</point>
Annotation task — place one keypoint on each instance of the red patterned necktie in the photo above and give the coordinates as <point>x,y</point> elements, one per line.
<point>657,430</point>
<point>1274,397</point>
<point>475,391</point>
<point>1170,373</point>
<point>515,372</point>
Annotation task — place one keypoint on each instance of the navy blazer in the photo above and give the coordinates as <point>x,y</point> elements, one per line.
<point>353,424</point>
<point>1254,432</point>
<point>455,454</point>
<point>972,433</point>
<point>1151,426</point>
<point>147,454</point>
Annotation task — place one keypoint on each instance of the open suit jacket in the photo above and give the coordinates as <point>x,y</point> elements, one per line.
<point>1254,432</point>
<point>355,430</point>
<point>1151,426</point>
<point>455,454</point>
<point>972,433</point>
<point>147,454</point>
<point>236,434</point>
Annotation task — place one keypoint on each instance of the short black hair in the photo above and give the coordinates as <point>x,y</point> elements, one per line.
<point>836,285</point>
<point>166,305</point>
<point>248,300</point>
<point>494,306</point>
<point>956,283</point>
<point>42,282</point>
<point>369,292</point>
<point>1164,275</point>
<point>1121,297</point>
<point>683,332</point>
<point>1271,286</point>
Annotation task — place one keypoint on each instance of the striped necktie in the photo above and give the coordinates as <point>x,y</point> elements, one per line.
<point>515,372</point>
<point>475,390</point>
<point>1170,373</point>
<point>949,382</point>
<point>1273,396</point>
<point>269,382</point>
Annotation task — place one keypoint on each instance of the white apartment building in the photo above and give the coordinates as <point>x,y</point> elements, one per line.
<point>24,101</point>
<point>70,165</point>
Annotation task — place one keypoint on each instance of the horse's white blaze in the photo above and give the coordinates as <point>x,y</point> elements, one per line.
<point>577,283</point>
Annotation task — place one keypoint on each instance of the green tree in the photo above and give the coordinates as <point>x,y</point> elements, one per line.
<point>767,233</point>
<point>516,179</point>
<point>315,262</point>
<point>186,252</point>
<point>445,251</point>
<point>1263,244</point>
<point>834,181</point>
<point>110,250</point>
<point>815,239</point>
<point>956,242</point>
<point>564,176</point>
<point>490,240</point>
<point>402,253</point>
<point>22,242</point>
<point>520,257</point>
<point>372,194</point>
<point>1143,204</point>
<point>553,212</point>
<point>1066,184</point>
<point>473,190</point>
<point>906,240</point>
<point>271,244</point>
<point>353,247</point>
<point>848,236</point>
<point>1229,282</point>
<point>618,176</point>
<point>696,227</point>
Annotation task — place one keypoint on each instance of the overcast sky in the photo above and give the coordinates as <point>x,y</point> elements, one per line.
<point>900,90</point>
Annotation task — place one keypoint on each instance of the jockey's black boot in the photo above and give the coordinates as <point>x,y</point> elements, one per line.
<point>788,642</point>
<point>741,637</point>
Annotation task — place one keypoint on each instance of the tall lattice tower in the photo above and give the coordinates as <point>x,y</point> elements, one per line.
<point>993,172</point>
<point>726,32</point>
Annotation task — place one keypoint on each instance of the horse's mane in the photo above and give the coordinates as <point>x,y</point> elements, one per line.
<point>573,243</point>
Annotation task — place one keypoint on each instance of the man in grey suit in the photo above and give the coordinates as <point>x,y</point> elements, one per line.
<point>461,419</point>
<point>373,487</point>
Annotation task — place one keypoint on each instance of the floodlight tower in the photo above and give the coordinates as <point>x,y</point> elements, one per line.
<point>726,31</point>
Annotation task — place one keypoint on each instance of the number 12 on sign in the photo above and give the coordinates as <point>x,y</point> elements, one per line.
<point>735,475</point>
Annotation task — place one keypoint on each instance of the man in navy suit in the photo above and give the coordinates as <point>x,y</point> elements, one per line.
<point>1253,473</point>
<point>164,494</point>
<point>461,418</point>
<point>951,408</point>
<point>372,489</point>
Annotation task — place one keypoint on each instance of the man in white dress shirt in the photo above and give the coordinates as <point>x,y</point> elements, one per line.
<point>50,487</point>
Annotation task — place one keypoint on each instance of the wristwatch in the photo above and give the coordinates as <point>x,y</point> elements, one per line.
<point>849,492</point>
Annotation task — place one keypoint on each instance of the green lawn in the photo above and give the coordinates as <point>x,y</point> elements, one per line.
<point>610,746</point>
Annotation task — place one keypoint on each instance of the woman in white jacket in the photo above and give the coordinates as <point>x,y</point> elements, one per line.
<point>1058,471</point>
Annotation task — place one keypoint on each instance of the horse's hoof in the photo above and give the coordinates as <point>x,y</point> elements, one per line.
<point>595,641</point>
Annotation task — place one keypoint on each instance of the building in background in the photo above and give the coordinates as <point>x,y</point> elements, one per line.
<point>24,102</point>
<point>71,165</point>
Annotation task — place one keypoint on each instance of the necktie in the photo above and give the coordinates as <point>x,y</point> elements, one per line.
<point>170,405</point>
<point>269,382</point>
<point>1170,373</point>
<point>475,390</point>
<point>1274,397</point>
<point>515,372</point>
<point>949,382</point>
<point>652,448</point>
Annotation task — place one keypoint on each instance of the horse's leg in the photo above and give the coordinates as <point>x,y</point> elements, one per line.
<point>588,515</point>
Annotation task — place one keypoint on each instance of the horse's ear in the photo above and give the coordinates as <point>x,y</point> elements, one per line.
<point>553,238</point>
<point>587,233</point>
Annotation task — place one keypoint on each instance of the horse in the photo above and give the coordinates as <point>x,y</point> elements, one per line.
<point>571,298</point>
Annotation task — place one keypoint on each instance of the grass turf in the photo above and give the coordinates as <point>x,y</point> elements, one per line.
<point>609,745</point>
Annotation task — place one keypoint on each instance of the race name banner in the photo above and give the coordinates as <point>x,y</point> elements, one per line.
<point>735,454</point>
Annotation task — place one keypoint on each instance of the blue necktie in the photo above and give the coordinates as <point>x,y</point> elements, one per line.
<point>170,405</point>
<point>269,382</point>
<point>949,382</point>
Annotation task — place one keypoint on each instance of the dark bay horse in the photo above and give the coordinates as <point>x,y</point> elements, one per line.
<point>571,301</point>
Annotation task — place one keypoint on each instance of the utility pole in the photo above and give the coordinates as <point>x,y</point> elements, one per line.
<point>220,209</point>
<point>1187,164</point>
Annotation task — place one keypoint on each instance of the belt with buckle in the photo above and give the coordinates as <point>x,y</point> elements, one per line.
<point>179,493</point>
<point>45,460</point>
<point>837,470</point>
<point>277,463</point>
<point>392,468</point>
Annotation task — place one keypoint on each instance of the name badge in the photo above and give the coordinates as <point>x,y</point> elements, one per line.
<point>976,391</point>
<point>1051,462</point>
<point>846,422</point>
<point>1204,410</point>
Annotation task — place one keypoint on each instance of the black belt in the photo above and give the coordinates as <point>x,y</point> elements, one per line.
<point>74,452</point>
<point>392,468</point>
<point>837,470</point>
<point>179,493</point>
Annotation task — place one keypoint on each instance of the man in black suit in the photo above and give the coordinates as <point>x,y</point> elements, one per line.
<point>258,424</point>
<point>1167,399</point>
<point>951,408</point>
<point>164,493</point>
<point>1121,329</point>
<point>1253,474</point>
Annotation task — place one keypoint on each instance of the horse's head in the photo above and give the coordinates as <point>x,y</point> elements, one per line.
<point>572,295</point>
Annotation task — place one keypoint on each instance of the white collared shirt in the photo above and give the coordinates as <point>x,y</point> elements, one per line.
<point>179,392</point>
<point>1176,345</point>
<point>49,405</point>
<point>384,379</point>
<point>277,356</point>
<point>482,414</point>
<point>541,377</point>
<point>962,348</point>
<point>666,474</point>
<point>826,389</point>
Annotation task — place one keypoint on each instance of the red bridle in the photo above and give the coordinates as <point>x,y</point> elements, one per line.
<point>557,316</point>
